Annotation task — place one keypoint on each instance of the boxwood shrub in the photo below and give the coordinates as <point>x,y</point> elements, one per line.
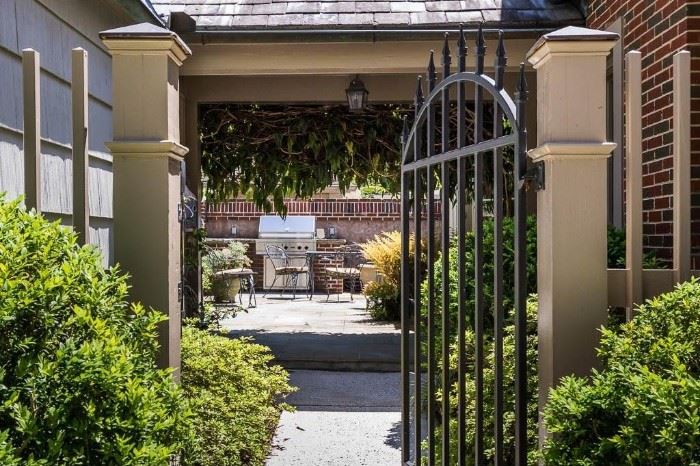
<point>236,396</point>
<point>78,385</point>
<point>643,407</point>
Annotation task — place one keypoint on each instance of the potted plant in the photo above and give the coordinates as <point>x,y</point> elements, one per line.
<point>220,267</point>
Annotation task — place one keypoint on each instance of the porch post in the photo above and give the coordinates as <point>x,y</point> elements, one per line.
<point>147,156</point>
<point>572,209</point>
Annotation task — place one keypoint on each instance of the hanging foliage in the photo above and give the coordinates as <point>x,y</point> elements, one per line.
<point>269,152</point>
<point>272,152</point>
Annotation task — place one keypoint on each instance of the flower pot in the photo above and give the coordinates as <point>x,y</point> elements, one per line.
<point>225,287</point>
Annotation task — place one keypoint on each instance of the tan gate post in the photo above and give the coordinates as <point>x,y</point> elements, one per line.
<point>147,156</point>
<point>572,209</point>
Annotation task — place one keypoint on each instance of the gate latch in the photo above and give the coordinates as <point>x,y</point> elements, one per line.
<point>534,177</point>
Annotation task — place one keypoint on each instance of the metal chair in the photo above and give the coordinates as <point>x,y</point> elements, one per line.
<point>282,266</point>
<point>351,259</point>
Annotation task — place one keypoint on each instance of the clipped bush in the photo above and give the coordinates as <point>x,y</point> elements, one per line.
<point>643,407</point>
<point>236,396</point>
<point>78,384</point>
<point>383,300</point>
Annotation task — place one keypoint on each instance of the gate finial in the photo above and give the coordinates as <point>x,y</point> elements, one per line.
<point>431,72</point>
<point>419,94</point>
<point>521,87</point>
<point>404,131</point>
<point>446,58</point>
<point>480,49</point>
<point>461,50</point>
<point>500,62</point>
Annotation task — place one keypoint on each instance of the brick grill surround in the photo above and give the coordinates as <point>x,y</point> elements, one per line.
<point>659,29</point>
<point>356,221</point>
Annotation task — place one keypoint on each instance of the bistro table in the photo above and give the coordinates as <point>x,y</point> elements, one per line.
<point>246,276</point>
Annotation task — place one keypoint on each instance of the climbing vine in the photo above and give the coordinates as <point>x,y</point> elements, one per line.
<point>272,152</point>
<point>269,152</point>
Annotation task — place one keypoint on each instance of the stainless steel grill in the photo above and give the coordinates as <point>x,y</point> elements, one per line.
<point>294,234</point>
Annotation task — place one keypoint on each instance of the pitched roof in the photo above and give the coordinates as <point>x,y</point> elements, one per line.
<point>232,15</point>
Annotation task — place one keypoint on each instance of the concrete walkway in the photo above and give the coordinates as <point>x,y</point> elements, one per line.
<point>317,334</point>
<point>348,414</point>
<point>342,418</point>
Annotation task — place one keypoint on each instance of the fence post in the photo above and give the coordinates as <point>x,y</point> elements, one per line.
<point>147,160</point>
<point>681,166</point>
<point>31,77</point>
<point>572,209</point>
<point>79,101</point>
<point>633,168</point>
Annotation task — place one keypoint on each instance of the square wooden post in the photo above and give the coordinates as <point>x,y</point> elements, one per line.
<point>147,158</point>
<point>79,90</point>
<point>572,209</point>
<point>31,78</point>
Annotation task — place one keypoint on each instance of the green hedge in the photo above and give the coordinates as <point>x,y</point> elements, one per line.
<point>489,384</point>
<point>643,407</point>
<point>78,385</point>
<point>236,396</point>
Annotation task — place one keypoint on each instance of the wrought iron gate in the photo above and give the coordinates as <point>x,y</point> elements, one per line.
<point>457,172</point>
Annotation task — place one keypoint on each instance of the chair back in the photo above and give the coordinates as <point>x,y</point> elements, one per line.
<point>278,256</point>
<point>353,256</point>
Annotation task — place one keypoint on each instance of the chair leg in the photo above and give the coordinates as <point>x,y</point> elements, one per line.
<point>274,280</point>
<point>295,279</point>
<point>285,286</point>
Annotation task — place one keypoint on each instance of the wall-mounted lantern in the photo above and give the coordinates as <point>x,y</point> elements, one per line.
<point>357,95</point>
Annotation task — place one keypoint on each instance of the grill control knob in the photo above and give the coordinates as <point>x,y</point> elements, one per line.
<point>286,247</point>
<point>298,247</point>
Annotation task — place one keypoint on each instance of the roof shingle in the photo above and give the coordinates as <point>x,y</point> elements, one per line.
<point>226,15</point>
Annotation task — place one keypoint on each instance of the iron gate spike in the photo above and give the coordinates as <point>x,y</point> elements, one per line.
<point>501,60</point>
<point>431,71</point>
<point>480,49</point>
<point>419,94</point>
<point>404,131</point>
<point>521,87</point>
<point>446,58</point>
<point>461,50</point>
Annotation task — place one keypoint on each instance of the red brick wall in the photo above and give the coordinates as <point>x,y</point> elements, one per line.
<point>659,29</point>
<point>355,220</point>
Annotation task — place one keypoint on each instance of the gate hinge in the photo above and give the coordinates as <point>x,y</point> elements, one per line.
<point>534,177</point>
<point>180,213</point>
<point>179,292</point>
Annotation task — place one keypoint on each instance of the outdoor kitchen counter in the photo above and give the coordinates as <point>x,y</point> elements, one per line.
<point>321,281</point>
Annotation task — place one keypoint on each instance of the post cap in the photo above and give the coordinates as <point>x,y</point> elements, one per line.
<point>145,37</point>
<point>571,40</point>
